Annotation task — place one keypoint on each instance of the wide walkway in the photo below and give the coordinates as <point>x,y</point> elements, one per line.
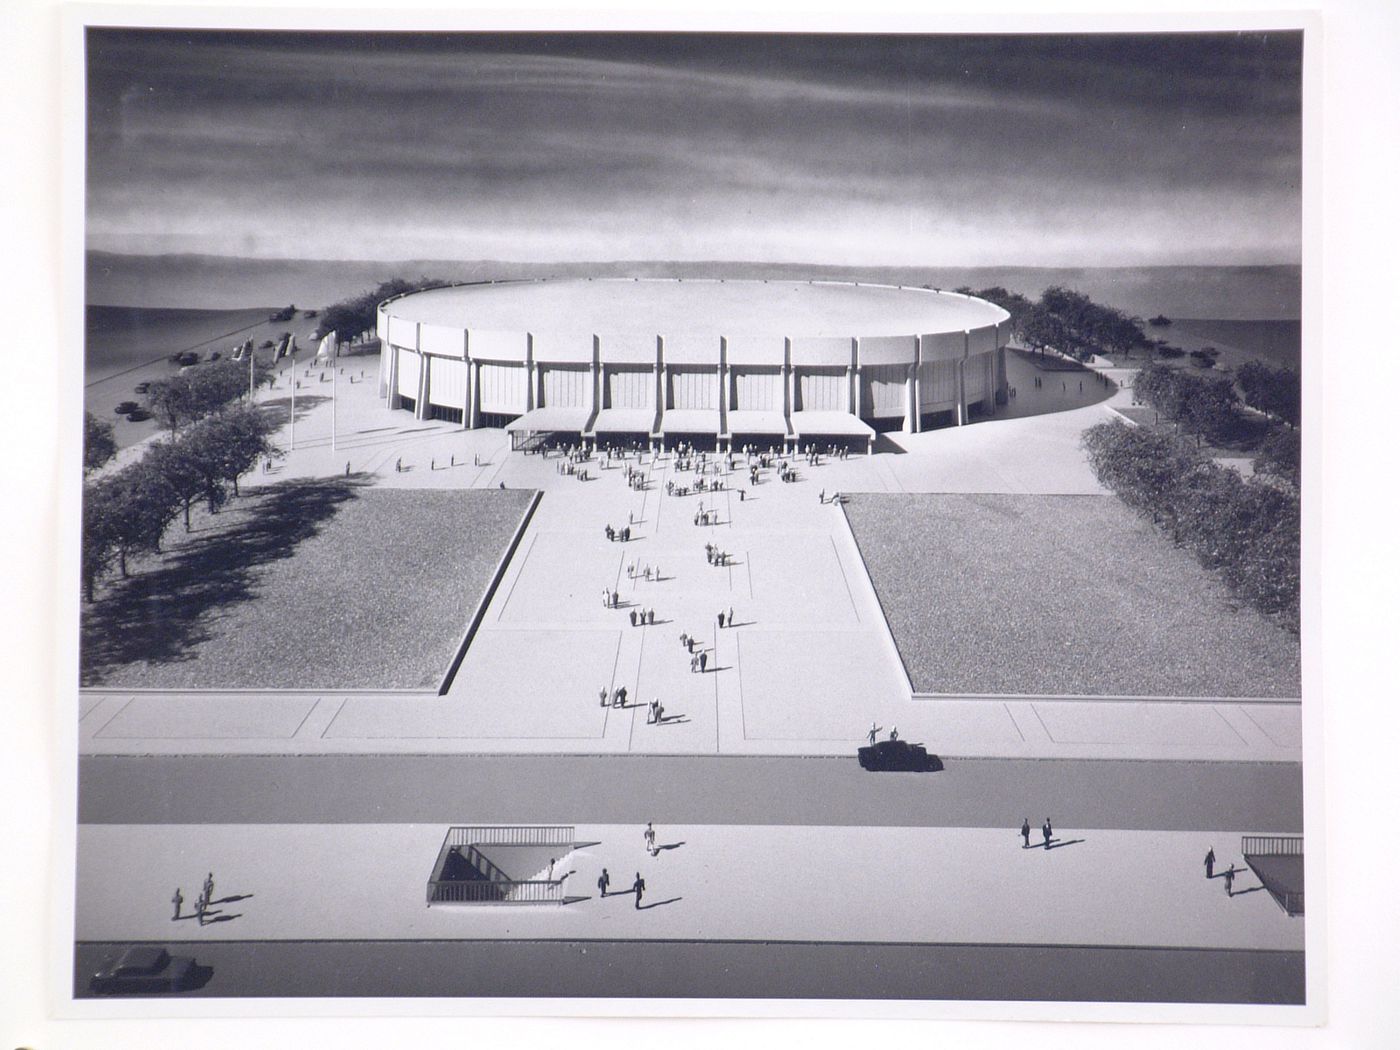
<point>807,669</point>
<point>706,882</point>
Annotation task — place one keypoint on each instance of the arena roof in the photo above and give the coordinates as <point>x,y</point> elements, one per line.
<point>698,307</point>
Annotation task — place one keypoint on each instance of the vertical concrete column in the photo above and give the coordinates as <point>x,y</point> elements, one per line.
<point>420,410</point>
<point>466,385</point>
<point>911,399</point>
<point>393,396</point>
<point>1003,387</point>
<point>532,373</point>
<point>789,382</point>
<point>723,379</point>
<point>474,396</point>
<point>595,380</point>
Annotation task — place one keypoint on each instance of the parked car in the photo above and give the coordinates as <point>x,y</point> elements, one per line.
<point>142,388</point>
<point>138,415</point>
<point>125,407</point>
<point>143,971</point>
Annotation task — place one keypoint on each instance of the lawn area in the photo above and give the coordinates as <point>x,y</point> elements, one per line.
<point>319,584</point>
<point>1056,595</point>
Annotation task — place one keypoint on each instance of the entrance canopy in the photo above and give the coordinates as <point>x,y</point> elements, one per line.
<point>830,424</point>
<point>690,421</point>
<point>552,419</point>
<point>625,421</point>
<point>750,421</point>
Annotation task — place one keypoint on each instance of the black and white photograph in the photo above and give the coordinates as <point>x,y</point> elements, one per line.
<point>720,520</point>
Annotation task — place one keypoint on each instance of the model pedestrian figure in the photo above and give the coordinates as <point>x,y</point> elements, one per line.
<point>1230,881</point>
<point>1047,831</point>
<point>178,900</point>
<point>720,618</point>
<point>649,837</point>
<point>874,729</point>
<point>703,659</point>
<point>694,663</point>
<point>1026,833</point>
<point>201,904</point>
<point>1210,863</point>
<point>638,887</point>
<point>209,888</point>
<point>603,883</point>
<point>730,620</point>
<point>632,615</point>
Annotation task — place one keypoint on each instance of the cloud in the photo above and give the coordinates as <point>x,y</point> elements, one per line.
<point>881,148</point>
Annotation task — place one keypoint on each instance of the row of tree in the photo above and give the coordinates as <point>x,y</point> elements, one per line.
<point>199,390</point>
<point>1203,405</point>
<point>353,318</point>
<point>1276,392</point>
<point>129,511</point>
<point>1246,530</point>
<point>1066,320</point>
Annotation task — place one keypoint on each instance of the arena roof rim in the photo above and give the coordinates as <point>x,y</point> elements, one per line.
<point>851,309</point>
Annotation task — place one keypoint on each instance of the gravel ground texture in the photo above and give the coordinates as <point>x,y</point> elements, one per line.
<point>1011,594</point>
<point>326,584</point>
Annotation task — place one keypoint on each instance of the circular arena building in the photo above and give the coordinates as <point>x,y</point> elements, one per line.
<point>714,361</point>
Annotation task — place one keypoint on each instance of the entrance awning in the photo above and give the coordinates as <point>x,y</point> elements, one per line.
<point>690,421</point>
<point>552,419</point>
<point>830,424</point>
<point>625,421</point>
<point>752,421</point>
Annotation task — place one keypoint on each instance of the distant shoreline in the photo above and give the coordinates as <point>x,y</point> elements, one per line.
<point>1244,293</point>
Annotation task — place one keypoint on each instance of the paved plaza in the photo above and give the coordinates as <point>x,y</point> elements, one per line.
<point>808,667</point>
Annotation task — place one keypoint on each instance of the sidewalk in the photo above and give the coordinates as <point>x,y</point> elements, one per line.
<point>891,885</point>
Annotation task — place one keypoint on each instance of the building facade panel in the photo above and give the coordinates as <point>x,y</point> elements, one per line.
<point>822,351</point>
<point>571,348</point>
<point>441,341</point>
<point>403,333</point>
<point>691,350</point>
<point>887,350</point>
<point>629,387</point>
<point>504,388</point>
<point>823,390</point>
<point>883,391</point>
<point>447,382</point>
<point>938,384</point>
<point>566,386</point>
<point>755,350</point>
<point>757,389</point>
<point>982,340</point>
<point>977,381</point>
<point>410,371</point>
<point>693,387</point>
<point>486,345</point>
<point>942,346</point>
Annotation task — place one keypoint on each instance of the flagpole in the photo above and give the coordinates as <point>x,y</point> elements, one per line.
<point>335,355</point>
<point>292,362</point>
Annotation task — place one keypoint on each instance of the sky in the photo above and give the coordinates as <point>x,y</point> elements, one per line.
<point>1081,150</point>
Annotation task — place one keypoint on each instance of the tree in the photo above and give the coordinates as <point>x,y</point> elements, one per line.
<point>99,444</point>
<point>131,511</point>
<point>97,549</point>
<point>351,318</point>
<point>1274,391</point>
<point>194,394</point>
<point>172,402</point>
<point>174,462</point>
<point>1281,455</point>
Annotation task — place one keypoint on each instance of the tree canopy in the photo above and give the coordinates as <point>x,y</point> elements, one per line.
<point>1277,392</point>
<point>351,318</point>
<point>99,442</point>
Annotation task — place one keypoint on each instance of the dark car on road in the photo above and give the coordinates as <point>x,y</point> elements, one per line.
<point>143,971</point>
<point>898,756</point>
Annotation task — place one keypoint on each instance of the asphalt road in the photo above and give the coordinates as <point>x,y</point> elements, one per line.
<point>456,789</point>
<point>730,970</point>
